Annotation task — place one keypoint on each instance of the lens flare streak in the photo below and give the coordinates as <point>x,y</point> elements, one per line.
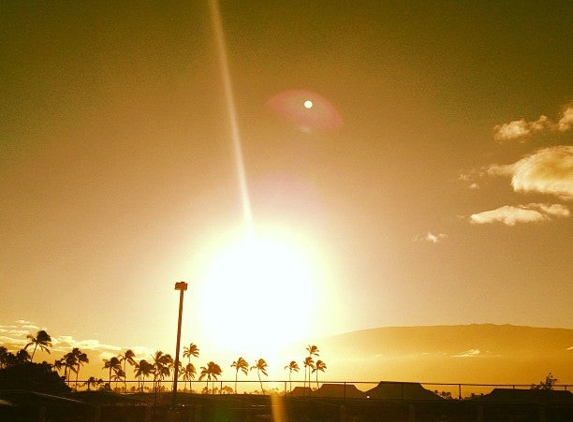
<point>230,100</point>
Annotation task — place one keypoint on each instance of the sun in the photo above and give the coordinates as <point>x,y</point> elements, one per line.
<point>258,296</point>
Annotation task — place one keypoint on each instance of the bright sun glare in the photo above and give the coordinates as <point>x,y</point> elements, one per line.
<point>258,296</point>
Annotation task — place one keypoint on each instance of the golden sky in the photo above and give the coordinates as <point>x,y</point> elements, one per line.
<point>404,163</point>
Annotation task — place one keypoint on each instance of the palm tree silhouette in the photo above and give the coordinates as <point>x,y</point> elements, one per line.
<point>292,366</point>
<point>58,364</point>
<point>125,358</point>
<point>111,364</point>
<point>308,366</point>
<point>117,376</point>
<point>70,363</point>
<point>211,372</point>
<point>42,340</point>
<point>240,365</point>
<point>189,373</point>
<point>261,367</point>
<point>80,359</point>
<point>93,381</point>
<point>162,364</point>
<point>192,350</point>
<point>319,366</point>
<point>312,351</point>
<point>143,369</point>
<point>188,352</point>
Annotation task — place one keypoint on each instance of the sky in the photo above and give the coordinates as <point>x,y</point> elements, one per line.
<point>309,168</point>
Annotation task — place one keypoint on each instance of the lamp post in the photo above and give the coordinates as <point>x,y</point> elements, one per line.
<point>181,286</point>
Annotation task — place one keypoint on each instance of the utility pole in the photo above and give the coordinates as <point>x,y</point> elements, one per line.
<point>181,286</point>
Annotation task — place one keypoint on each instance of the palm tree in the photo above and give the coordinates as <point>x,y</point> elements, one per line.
<point>312,351</point>
<point>111,364</point>
<point>211,372</point>
<point>261,366</point>
<point>58,364</point>
<point>162,364</point>
<point>77,359</point>
<point>319,366</point>
<point>192,350</point>
<point>70,363</point>
<point>143,369</point>
<point>42,339</point>
<point>189,373</point>
<point>308,366</point>
<point>126,358</point>
<point>117,376</point>
<point>240,365</point>
<point>93,381</point>
<point>292,366</point>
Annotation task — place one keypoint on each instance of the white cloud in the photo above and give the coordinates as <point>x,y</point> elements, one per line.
<point>31,327</point>
<point>500,170</point>
<point>435,238</point>
<point>522,129</point>
<point>12,343</point>
<point>472,353</point>
<point>476,353</point>
<point>566,121</point>
<point>512,215</point>
<point>548,171</point>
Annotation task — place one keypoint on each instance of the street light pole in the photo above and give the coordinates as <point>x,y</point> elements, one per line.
<point>181,286</point>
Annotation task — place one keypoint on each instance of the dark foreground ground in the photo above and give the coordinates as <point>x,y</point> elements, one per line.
<point>109,407</point>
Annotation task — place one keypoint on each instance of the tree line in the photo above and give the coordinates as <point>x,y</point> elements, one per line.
<point>158,368</point>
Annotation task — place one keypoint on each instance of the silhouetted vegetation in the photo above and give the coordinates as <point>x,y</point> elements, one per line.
<point>32,376</point>
<point>548,384</point>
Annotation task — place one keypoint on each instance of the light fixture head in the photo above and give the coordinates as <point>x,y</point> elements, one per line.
<point>181,285</point>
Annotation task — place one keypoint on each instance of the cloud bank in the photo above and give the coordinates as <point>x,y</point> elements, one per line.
<point>13,337</point>
<point>512,215</point>
<point>548,171</point>
<point>521,130</point>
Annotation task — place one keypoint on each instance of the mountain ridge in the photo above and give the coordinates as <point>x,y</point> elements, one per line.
<point>472,353</point>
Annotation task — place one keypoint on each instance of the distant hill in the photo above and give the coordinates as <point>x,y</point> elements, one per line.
<point>479,353</point>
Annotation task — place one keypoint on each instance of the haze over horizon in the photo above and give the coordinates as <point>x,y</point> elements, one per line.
<point>403,164</point>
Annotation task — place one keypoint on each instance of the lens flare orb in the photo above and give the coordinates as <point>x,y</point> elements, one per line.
<point>306,109</point>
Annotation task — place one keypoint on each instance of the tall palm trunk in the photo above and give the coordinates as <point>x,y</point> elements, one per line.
<point>34,352</point>
<point>261,382</point>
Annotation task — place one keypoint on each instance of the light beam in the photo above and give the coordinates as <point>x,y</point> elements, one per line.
<point>230,100</point>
